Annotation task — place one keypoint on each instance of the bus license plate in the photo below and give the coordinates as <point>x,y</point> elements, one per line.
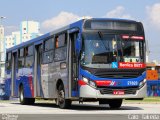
<point>118,92</point>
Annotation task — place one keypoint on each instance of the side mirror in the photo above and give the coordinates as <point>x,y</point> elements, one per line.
<point>78,44</point>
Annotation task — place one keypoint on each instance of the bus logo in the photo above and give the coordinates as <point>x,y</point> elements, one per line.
<point>113,83</point>
<point>114,65</point>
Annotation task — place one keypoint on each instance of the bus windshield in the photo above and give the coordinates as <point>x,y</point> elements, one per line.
<point>100,50</point>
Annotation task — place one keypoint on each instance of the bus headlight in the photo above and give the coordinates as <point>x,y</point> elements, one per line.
<point>142,83</point>
<point>92,84</point>
<point>89,82</point>
<point>85,80</point>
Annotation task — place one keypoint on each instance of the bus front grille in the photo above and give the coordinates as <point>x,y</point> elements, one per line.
<point>115,73</point>
<point>110,91</point>
<point>118,75</point>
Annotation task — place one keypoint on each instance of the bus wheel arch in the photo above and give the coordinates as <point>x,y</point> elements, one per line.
<point>61,101</point>
<point>22,99</point>
<point>21,94</point>
<point>59,82</point>
<point>20,85</point>
<point>20,88</point>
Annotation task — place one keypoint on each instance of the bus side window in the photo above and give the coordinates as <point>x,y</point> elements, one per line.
<point>60,47</point>
<point>74,57</point>
<point>8,61</point>
<point>21,58</point>
<point>29,56</point>
<point>48,51</point>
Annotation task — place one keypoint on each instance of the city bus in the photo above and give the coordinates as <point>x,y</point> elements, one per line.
<point>96,59</point>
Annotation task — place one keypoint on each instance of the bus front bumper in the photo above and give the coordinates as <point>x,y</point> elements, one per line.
<point>89,92</point>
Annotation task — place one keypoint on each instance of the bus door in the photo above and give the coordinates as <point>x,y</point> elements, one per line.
<point>37,71</point>
<point>73,63</point>
<point>13,73</point>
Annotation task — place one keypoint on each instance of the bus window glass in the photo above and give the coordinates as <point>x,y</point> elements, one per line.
<point>21,58</point>
<point>8,61</point>
<point>61,40</point>
<point>20,62</point>
<point>48,57</point>
<point>9,56</point>
<point>48,53</point>
<point>29,61</point>
<point>21,52</point>
<point>131,51</point>
<point>60,54</point>
<point>48,44</point>
<point>30,50</point>
<point>61,47</point>
<point>101,50</point>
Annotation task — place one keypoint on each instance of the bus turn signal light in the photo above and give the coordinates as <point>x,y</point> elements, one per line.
<point>103,82</point>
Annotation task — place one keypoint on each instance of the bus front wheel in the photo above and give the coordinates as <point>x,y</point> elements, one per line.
<point>62,102</point>
<point>115,103</point>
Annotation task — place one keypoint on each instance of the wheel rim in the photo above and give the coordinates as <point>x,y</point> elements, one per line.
<point>21,96</point>
<point>61,97</point>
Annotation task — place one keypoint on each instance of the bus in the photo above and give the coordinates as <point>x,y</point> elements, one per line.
<point>97,59</point>
<point>3,94</point>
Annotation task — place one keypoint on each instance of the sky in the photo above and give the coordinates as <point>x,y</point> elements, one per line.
<point>52,14</point>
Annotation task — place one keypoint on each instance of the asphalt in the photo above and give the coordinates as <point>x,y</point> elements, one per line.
<point>86,111</point>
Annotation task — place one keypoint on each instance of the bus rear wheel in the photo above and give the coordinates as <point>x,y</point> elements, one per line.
<point>23,100</point>
<point>62,102</point>
<point>115,103</point>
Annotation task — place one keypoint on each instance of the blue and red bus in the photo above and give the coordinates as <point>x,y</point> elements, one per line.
<point>97,59</point>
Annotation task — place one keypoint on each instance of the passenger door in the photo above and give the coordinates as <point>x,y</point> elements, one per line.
<point>73,63</point>
<point>37,70</point>
<point>13,73</point>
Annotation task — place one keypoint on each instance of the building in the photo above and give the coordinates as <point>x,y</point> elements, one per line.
<point>28,30</point>
<point>9,41</point>
<point>2,53</point>
<point>13,39</point>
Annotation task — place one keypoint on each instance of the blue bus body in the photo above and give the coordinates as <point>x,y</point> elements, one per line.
<point>41,72</point>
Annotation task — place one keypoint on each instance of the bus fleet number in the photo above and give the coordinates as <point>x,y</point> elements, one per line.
<point>132,83</point>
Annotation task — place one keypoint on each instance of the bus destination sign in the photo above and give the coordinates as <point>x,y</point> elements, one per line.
<point>131,65</point>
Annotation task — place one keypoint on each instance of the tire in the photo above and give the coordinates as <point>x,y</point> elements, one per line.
<point>31,101</point>
<point>115,103</point>
<point>23,100</point>
<point>103,101</point>
<point>61,101</point>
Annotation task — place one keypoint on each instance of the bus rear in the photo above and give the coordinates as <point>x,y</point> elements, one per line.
<point>112,61</point>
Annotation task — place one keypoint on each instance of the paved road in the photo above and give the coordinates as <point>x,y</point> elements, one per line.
<point>85,111</point>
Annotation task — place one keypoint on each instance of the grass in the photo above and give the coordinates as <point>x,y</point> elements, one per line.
<point>145,100</point>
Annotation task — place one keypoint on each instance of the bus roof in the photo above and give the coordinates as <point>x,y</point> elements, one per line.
<point>72,25</point>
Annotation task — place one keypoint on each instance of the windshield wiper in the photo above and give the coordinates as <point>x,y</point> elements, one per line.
<point>100,35</point>
<point>101,38</point>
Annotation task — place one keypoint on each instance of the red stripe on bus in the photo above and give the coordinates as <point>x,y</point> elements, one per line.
<point>103,82</point>
<point>81,82</point>
<point>31,85</point>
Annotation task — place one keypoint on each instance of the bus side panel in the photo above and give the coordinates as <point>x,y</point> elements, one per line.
<point>46,81</point>
<point>8,83</point>
<point>51,73</point>
<point>8,87</point>
<point>25,77</point>
<point>16,90</point>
